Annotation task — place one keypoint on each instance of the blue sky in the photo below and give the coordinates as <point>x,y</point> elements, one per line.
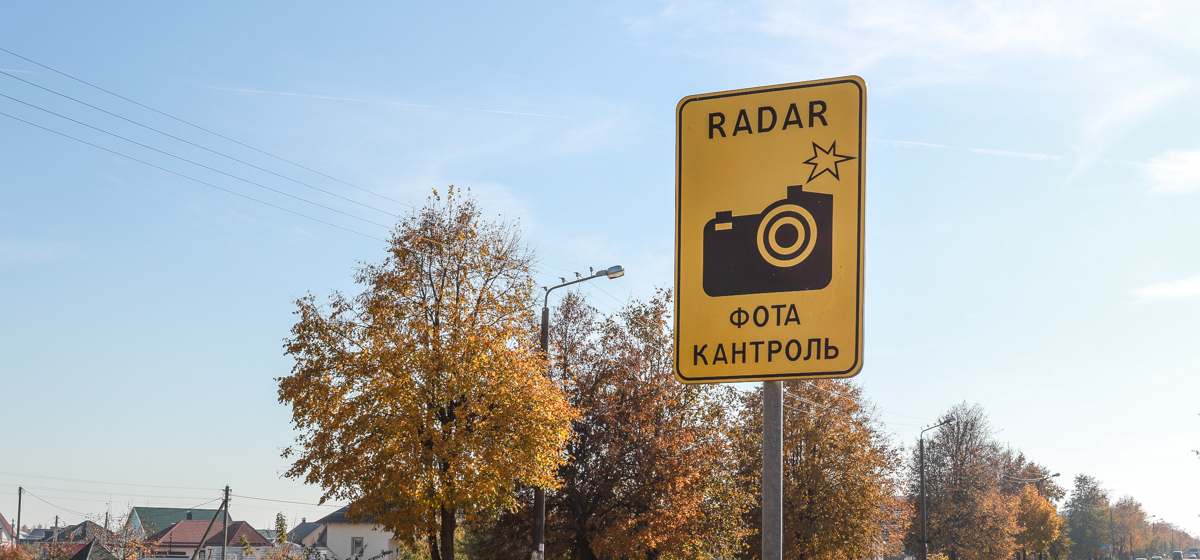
<point>1032,181</point>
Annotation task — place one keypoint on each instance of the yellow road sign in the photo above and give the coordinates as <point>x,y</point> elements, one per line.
<point>769,206</point>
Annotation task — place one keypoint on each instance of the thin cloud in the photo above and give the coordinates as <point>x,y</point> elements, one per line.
<point>292,94</point>
<point>986,151</point>
<point>1174,172</point>
<point>1188,288</point>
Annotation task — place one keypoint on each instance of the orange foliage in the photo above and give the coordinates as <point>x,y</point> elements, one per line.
<point>422,398</point>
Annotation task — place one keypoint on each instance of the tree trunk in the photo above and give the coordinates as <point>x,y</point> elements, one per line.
<point>433,547</point>
<point>449,524</point>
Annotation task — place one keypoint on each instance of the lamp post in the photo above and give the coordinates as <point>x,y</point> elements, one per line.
<point>539,494</point>
<point>924,514</point>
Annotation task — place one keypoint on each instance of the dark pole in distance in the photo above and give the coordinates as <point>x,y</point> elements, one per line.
<point>539,494</point>
<point>924,515</point>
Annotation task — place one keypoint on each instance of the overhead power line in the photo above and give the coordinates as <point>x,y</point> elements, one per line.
<point>196,126</point>
<point>56,506</point>
<point>191,178</point>
<point>224,155</point>
<point>287,501</point>
<point>109,483</point>
<point>98,492</point>
<point>217,152</point>
<point>195,163</point>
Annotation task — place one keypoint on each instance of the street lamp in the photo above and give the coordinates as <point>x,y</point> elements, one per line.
<point>924,514</point>
<point>1038,480</point>
<point>539,494</point>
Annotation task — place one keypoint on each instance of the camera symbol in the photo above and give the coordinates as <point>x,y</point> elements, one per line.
<point>786,248</point>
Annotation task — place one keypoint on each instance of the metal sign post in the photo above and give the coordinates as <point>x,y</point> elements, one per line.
<point>772,475</point>
<point>770,200</point>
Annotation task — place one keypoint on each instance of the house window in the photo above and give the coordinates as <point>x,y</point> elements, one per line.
<point>201,556</point>
<point>356,546</point>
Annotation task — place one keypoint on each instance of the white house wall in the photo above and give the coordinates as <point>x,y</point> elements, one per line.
<point>375,540</point>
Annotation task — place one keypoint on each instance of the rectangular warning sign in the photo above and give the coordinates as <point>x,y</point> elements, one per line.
<point>769,232</point>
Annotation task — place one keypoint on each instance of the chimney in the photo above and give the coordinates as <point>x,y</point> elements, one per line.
<point>189,515</point>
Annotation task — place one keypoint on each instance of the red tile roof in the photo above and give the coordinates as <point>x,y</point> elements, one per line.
<point>188,533</point>
<point>4,523</point>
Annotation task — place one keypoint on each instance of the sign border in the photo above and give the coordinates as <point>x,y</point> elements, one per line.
<point>856,367</point>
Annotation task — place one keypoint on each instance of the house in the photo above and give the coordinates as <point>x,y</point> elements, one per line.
<point>307,534</point>
<point>38,535</point>
<point>181,539</point>
<point>94,551</point>
<point>7,535</point>
<point>150,520</point>
<point>364,539</point>
<point>81,532</point>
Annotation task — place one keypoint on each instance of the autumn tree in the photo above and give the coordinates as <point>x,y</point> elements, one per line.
<point>1087,518</point>
<point>1037,523</point>
<point>281,529</point>
<point>16,552</point>
<point>1060,547</point>
<point>647,475</point>
<point>842,477</point>
<point>1166,537</point>
<point>970,516</point>
<point>1017,472</point>
<point>422,399</point>
<point>1129,526</point>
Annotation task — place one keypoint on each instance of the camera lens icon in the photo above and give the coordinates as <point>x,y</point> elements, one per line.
<point>794,238</point>
<point>787,235</point>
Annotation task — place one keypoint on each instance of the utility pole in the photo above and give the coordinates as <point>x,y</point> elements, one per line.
<point>225,517</point>
<point>55,529</point>
<point>924,520</point>
<point>772,473</point>
<point>1112,552</point>
<point>204,538</point>
<point>20,494</point>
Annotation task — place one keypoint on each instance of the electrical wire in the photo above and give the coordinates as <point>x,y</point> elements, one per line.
<point>147,127</point>
<point>192,178</point>
<point>100,482</point>
<point>286,501</point>
<point>195,163</point>
<point>628,289</point>
<point>819,388</point>
<point>52,489</point>
<point>619,302</point>
<point>200,127</point>
<point>808,402</point>
<point>81,514</point>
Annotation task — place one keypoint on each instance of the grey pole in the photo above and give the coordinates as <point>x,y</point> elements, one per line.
<point>20,494</point>
<point>772,482</point>
<point>924,516</point>
<point>539,494</point>
<point>921,459</point>
<point>207,529</point>
<point>225,531</point>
